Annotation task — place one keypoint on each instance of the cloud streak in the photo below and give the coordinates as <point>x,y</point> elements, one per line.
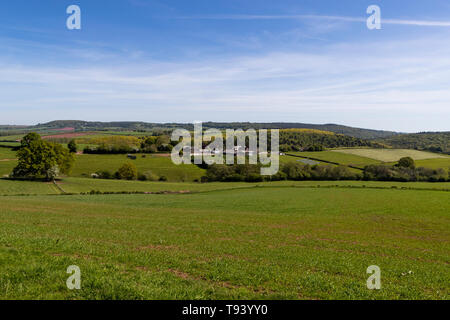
<point>422,23</point>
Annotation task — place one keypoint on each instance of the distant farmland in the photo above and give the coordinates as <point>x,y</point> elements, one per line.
<point>70,135</point>
<point>346,159</point>
<point>158,164</point>
<point>391,155</point>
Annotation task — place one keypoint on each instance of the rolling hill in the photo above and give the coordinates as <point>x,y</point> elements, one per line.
<point>144,126</point>
<point>425,141</point>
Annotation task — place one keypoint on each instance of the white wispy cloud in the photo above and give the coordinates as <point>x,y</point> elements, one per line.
<point>391,85</point>
<point>422,23</point>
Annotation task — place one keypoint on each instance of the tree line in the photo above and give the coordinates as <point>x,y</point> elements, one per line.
<point>404,171</point>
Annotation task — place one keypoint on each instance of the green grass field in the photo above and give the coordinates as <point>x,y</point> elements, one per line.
<point>273,242</point>
<point>10,144</point>
<point>7,153</point>
<point>85,165</point>
<point>14,187</point>
<point>341,158</point>
<point>11,138</point>
<point>7,161</point>
<point>443,163</point>
<point>391,155</point>
<point>85,185</point>
<point>290,158</point>
<point>6,166</point>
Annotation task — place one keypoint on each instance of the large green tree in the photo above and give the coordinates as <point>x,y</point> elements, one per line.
<point>40,159</point>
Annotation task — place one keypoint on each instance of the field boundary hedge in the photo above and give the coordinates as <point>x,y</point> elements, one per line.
<point>182,192</point>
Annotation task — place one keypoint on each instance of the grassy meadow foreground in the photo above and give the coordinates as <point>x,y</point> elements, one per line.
<point>284,240</point>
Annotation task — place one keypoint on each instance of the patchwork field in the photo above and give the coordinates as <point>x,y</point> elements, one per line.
<point>443,163</point>
<point>276,243</point>
<point>70,135</point>
<point>347,159</point>
<point>391,155</point>
<point>292,156</point>
<point>85,165</point>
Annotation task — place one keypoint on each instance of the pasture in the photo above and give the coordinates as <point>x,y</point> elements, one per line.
<point>443,163</point>
<point>84,185</point>
<point>292,156</point>
<point>7,161</point>
<point>341,158</point>
<point>160,165</point>
<point>7,153</point>
<point>9,144</point>
<point>272,242</point>
<point>391,155</point>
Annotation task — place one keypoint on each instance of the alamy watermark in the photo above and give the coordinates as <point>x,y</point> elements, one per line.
<point>74,20</point>
<point>240,147</point>
<point>74,281</point>
<point>374,281</point>
<point>374,21</point>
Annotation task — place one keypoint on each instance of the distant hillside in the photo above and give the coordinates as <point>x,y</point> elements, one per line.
<point>345,130</point>
<point>317,140</point>
<point>427,141</point>
<point>336,128</point>
<point>345,136</point>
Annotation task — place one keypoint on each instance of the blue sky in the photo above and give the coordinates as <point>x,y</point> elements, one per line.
<point>309,61</point>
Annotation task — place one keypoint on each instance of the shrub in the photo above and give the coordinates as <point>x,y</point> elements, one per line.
<point>406,162</point>
<point>316,147</point>
<point>150,176</point>
<point>254,177</point>
<point>279,176</point>
<point>72,146</point>
<point>296,171</point>
<point>235,177</point>
<point>128,172</point>
<point>150,149</point>
<point>165,148</point>
<point>105,174</point>
<point>404,174</point>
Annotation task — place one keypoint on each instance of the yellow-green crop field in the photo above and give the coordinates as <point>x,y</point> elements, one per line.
<point>391,155</point>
